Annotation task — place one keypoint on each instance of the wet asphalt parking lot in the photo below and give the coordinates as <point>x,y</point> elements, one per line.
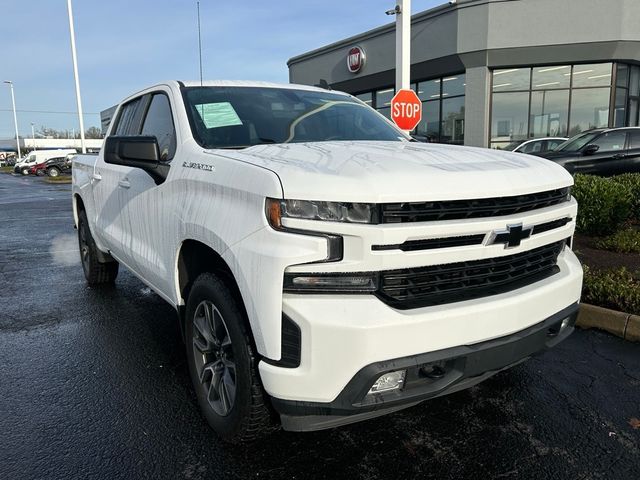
<point>94,384</point>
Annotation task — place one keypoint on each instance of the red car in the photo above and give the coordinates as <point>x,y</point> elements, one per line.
<point>38,169</point>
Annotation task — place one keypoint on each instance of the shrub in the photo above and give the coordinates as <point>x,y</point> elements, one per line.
<point>603,205</point>
<point>623,241</point>
<point>632,182</point>
<point>617,288</point>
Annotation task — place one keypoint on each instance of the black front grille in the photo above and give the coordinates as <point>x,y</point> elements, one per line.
<point>461,209</point>
<point>455,282</point>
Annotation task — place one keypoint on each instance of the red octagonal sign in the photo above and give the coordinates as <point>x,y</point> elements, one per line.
<point>406,109</point>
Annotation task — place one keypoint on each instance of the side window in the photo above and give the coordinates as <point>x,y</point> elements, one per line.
<point>610,141</point>
<point>634,139</point>
<point>552,144</point>
<point>127,118</point>
<point>159,123</point>
<point>532,147</point>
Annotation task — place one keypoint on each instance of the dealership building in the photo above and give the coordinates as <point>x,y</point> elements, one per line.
<point>490,72</point>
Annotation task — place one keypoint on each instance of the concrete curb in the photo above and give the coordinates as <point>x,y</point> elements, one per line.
<point>623,325</point>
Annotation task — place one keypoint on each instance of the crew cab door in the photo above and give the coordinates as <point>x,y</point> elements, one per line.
<point>107,184</point>
<point>146,210</point>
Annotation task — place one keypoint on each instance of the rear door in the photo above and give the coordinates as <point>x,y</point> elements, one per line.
<point>632,163</point>
<point>145,214</point>
<point>108,183</point>
<point>610,157</point>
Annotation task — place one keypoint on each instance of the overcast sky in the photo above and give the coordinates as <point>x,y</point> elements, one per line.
<point>124,46</point>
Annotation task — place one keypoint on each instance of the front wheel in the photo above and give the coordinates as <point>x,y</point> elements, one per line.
<point>53,172</point>
<point>25,171</point>
<point>95,272</point>
<point>222,363</point>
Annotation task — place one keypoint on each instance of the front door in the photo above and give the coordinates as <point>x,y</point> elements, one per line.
<point>609,159</point>
<point>145,213</point>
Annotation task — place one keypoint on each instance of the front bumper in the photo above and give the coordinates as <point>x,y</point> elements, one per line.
<point>460,367</point>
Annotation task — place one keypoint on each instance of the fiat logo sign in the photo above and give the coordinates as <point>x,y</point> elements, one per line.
<point>355,59</point>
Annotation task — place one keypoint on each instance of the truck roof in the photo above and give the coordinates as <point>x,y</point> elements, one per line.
<point>250,83</point>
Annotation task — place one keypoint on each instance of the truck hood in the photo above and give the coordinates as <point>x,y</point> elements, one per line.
<point>378,172</point>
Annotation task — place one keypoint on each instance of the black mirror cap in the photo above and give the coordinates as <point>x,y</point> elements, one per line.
<point>591,149</point>
<point>138,152</point>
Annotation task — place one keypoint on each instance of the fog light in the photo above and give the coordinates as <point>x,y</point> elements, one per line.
<point>388,381</point>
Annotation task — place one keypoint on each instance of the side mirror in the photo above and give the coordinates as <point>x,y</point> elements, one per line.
<point>138,152</point>
<point>590,149</point>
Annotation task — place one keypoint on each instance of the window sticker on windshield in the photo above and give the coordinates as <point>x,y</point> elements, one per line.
<point>216,115</point>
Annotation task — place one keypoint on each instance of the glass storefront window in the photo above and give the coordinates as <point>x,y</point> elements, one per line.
<point>430,123</point>
<point>544,78</point>
<point>634,82</point>
<point>366,98</point>
<point>511,79</point>
<point>633,113</point>
<point>589,109</point>
<point>620,111</point>
<point>383,97</point>
<point>429,90</point>
<point>622,75</point>
<point>453,85</point>
<point>592,75</point>
<point>549,113</point>
<point>386,111</point>
<point>452,130</point>
<point>509,116</point>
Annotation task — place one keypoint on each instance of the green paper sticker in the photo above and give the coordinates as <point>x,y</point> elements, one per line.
<point>216,115</point>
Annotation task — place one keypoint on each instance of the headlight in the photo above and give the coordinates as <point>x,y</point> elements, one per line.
<point>318,210</point>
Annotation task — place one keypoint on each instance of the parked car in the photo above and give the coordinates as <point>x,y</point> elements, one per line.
<point>58,165</point>
<point>37,169</point>
<point>323,264</point>
<point>602,151</point>
<point>39,156</point>
<point>536,145</point>
<point>52,167</point>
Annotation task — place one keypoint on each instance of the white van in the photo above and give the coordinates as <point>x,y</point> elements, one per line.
<point>40,156</point>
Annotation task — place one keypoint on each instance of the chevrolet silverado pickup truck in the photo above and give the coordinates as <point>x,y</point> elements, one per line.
<point>324,267</point>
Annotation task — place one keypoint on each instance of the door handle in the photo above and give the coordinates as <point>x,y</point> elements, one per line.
<point>618,156</point>
<point>124,183</point>
<point>96,177</point>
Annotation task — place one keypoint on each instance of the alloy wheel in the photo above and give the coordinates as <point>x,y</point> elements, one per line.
<point>214,358</point>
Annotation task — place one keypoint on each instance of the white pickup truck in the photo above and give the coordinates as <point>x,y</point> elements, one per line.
<point>325,268</point>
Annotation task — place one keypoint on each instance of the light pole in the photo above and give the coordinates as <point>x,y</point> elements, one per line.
<point>33,137</point>
<point>15,117</point>
<point>75,74</point>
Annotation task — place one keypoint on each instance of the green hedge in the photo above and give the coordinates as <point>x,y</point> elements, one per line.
<point>618,289</point>
<point>623,241</point>
<point>603,204</point>
<point>632,182</point>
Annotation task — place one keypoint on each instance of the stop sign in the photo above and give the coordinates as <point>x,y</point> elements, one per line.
<point>406,109</point>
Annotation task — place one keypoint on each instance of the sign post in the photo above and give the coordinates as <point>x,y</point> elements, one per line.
<point>403,44</point>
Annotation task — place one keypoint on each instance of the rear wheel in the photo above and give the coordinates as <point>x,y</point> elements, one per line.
<point>222,363</point>
<point>53,172</point>
<point>25,171</point>
<point>95,272</point>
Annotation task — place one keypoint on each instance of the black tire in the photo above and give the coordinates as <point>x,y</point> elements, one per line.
<point>95,272</point>
<point>25,171</point>
<point>247,415</point>
<point>53,172</point>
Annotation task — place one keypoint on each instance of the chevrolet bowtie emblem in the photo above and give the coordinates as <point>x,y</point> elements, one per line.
<point>512,236</point>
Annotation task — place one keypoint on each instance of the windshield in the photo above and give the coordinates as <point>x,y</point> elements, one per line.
<point>576,143</point>
<point>239,117</point>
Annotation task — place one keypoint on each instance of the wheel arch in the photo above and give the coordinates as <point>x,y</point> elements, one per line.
<point>195,258</point>
<point>78,205</point>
